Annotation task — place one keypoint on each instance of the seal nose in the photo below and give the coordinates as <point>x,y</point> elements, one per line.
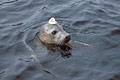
<point>67,38</point>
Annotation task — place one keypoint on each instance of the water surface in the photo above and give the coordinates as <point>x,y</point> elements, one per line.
<point>96,22</point>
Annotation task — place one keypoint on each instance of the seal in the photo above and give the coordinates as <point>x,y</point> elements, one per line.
<point>53,33</point>
<point>56,39</point>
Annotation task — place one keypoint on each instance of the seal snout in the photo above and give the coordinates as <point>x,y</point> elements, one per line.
<point>67,38</point>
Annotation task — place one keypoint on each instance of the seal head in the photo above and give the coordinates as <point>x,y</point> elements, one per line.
<point>53,33</point>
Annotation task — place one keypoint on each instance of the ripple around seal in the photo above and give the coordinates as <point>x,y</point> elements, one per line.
<point>95,22</point>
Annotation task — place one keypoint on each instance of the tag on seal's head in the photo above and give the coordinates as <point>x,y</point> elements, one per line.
<point>52,21</point>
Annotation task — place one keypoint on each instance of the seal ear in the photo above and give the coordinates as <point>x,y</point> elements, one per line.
<point>52,21</point>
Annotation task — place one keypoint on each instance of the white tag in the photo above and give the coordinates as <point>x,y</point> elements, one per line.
<point>52,21</point>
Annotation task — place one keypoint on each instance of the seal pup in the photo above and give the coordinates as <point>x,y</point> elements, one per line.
<point>55,37</point>
<point>53,33</point>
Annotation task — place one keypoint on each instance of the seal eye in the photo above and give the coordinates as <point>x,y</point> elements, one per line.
<point>54,32</point>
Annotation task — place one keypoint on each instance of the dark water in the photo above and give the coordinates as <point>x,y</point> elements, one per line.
<point>96,22</point>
